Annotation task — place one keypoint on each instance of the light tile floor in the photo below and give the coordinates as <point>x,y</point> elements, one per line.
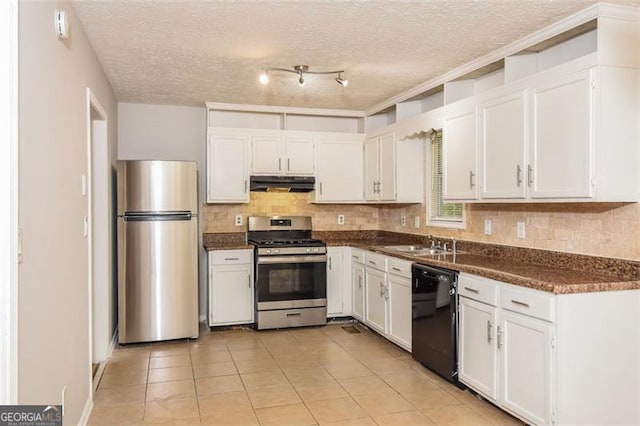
<point>304,376</point>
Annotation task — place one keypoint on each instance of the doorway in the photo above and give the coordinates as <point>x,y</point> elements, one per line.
<point>99,236</point>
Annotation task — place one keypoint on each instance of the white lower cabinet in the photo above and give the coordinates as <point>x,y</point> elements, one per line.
<point>478,360</point>
<point>230,287</point>
<point>551,359</point>
<point>338,282</point>
<point>357,283</point>
<point>525,346</point>
<point>376,299</point>
<point>399,290</point>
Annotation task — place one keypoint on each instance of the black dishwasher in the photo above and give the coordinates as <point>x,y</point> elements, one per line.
<point>434,320</point>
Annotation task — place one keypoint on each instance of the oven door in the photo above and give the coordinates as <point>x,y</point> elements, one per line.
<point>285,282</point>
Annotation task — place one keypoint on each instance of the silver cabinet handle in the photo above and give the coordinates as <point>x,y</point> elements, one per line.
<point>499,337</point>
<point>472,290</point>
<point>360,281</point>
<point>489,331</point>
<point>330,263</point>
<point>294,314</point>
<point>517,302</point>
<point>231,258</point>
<point>518,175</point>
<point>471,181</point>
<point>245,186</point>
<point>372,262</point>
<point>288,164</point>
<point>279,163</point>
<point>320,188</point>
<point>355,257</point>
<point>381,289</point>
<point>374,187</point>
<point>529,175</point>
<point>249,279</point>
<point>396,269</point>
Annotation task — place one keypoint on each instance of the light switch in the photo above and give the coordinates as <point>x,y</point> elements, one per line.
<point>487,227</point>
<point>521,230</point>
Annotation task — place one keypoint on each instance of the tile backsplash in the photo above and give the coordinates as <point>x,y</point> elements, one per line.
<point>600,229</point>
<point>220,217</point>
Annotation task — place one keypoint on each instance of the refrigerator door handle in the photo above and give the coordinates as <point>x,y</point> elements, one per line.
<point>156,217</point>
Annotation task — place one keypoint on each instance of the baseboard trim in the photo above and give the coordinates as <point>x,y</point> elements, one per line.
<point>86,413</point>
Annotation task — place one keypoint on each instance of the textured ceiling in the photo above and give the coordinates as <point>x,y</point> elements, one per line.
<point>189,52</point>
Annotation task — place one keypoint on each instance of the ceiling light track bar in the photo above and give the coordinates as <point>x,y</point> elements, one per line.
<point>300,71</point>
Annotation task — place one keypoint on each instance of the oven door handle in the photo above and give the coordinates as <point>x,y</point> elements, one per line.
<point>266,260</point>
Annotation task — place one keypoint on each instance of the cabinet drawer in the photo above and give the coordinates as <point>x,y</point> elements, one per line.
<point>534,303</point>
<point>399,267</point>
<point>230,257</point>
<point>375,260</point>
<point>357,255</point>
<point>478,288</point>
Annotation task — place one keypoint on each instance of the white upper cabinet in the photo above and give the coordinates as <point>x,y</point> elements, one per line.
<point>503,136</point>
<point>459,153</point>
<point>282,155</point>
<point>561,151</point>
<point>299,155</point>
<point>227,167</point>
<point>380,168</point>
<point>266,155</point>
<point>340,171</point>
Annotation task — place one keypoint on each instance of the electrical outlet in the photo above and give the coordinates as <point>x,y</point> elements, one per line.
<point>238,220</point>
<point>521,230</point>
<point>403,221</point>
<point>487,227</point>
<point>416,222</point>
<point>340,219</point>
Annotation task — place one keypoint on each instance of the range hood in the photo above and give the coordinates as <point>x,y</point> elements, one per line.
<point>282,183</point>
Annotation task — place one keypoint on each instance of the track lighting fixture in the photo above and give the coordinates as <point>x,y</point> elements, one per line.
<point>300,71</point>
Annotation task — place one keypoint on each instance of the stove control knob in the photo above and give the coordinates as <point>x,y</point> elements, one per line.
<point>268,251</point>
<point>276,251</point>
<point>315,250</point>
<point>308,250</point>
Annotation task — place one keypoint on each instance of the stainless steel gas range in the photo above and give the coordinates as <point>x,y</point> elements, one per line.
<point>290,271</point>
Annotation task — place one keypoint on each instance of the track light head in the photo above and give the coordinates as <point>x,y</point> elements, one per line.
<point>342,82</point>
<point>264,78</point>
<point>301,81</point>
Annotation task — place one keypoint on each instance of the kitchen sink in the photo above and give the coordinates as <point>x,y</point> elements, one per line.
<point>417,250</point>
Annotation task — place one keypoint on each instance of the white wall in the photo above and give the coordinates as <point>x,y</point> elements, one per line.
<point>165,132</point>
<point>53,306</point>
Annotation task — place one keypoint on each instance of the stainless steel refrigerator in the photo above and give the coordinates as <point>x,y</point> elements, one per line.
<point>157,250</point>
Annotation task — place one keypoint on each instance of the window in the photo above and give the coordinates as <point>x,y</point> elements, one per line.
<point>439,213</point>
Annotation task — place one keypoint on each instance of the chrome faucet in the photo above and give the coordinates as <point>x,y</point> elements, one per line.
<point>453,246</point>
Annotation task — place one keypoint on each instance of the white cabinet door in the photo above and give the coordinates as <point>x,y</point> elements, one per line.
<point>335,281</point>
<point>459,144</point>
<point>503,139</point>
<point>371,168</point>
<point>399,299</point>
<point>340,171</point>
<point>387,170</point>
<point>299,156</point>
<point>562,136</point>
<point>227,160</point>
<point>376,300</point>
<point>266,155</point>
<point>477,349</point>
<point>357,282</point>
<point>525,346</point>
<point>230,294</point>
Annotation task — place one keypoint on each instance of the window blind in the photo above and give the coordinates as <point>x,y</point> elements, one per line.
<point>438,209</point>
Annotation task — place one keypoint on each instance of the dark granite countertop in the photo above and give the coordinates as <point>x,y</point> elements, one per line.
<point>554,272</point>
